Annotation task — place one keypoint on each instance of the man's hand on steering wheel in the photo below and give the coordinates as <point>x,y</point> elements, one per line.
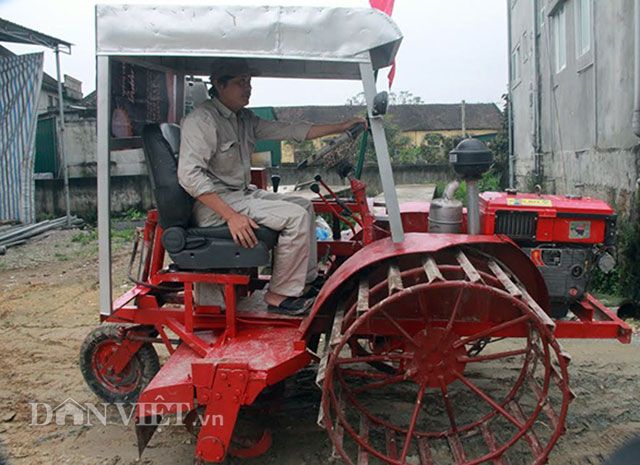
<point>241,228</point>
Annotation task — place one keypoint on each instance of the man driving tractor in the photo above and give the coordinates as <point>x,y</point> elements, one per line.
<point>218,138</point>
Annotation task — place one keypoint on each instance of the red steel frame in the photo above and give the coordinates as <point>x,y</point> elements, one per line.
<point>223,372</point>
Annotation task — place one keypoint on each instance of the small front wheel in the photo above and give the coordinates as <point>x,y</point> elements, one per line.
<point>125,386</point>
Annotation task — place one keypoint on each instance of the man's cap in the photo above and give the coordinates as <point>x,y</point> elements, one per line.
<point>231,67</point>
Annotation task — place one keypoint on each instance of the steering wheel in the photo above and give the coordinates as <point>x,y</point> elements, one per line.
<point>349,135</point>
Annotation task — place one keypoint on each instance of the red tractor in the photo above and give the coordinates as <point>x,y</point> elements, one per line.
<point>436,332</point>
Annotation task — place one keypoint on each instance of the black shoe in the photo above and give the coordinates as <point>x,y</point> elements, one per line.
<point>292,306</point>
<point>313,288</point>
<point>318,282</point>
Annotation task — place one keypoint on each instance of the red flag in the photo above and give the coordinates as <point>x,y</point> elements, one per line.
<point>386,6</point>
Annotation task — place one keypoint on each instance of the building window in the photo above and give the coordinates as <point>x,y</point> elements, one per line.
<point>583,27</point>
<point>515,64</point>
<point>560,38</point>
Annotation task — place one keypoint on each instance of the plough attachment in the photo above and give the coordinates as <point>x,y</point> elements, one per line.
<point>231,375</point>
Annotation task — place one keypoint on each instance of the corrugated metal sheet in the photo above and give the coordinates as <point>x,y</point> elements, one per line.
<point>20,81</point>
<point>294,41</point>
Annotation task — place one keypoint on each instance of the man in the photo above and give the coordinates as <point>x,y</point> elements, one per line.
<point>217,141</point>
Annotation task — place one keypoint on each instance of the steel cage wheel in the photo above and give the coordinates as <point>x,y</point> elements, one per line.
<point>99,344</point>
<point>436,372</point>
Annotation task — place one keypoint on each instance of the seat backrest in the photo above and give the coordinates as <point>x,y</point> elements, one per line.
<point>173,202</point>
<point>171,133</point>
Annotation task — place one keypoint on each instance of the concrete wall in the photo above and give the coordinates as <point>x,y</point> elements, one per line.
<point>135,191</point>
<point>126,192</point>
<point>587,143</point>
<point>80,142</point>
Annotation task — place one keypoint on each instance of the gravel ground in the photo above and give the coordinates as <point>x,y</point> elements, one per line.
<point>48,304</point>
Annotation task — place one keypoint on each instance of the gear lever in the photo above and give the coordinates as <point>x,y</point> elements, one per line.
<point>275,182</point>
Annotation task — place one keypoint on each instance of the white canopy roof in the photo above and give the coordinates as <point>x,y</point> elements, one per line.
<point>279,41</point>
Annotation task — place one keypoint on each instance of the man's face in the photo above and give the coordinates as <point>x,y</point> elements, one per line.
<point>235,94</point>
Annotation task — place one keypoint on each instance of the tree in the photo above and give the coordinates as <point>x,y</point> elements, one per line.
<point>500,147</point>
<point>404,97</point>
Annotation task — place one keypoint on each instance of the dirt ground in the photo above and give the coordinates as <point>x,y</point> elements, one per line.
<point>48,304</point>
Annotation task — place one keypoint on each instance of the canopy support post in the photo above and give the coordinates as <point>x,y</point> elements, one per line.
<point>103,89</point>
<point>382,154</point>
<point>63,153</point>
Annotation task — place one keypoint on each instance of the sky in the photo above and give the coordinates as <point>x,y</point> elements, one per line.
<point>452,50</point>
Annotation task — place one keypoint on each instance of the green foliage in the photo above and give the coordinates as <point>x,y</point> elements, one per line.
<point>601,283</point>
<point>434,148</point>
<point>490,182</point>
<point>90,217</point>
<point>123,235</point>
<point>628,247</point>
<point>90,236</point>
<point>132,214</point>
<point>404,97</point>
<point>500,147</point>
<point>85,237</point>
<point>624,280</point>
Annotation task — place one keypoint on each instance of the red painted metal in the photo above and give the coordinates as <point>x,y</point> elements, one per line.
<point>334,209</point>
<point>425,363</point>
<point>499,247</point>
<point>118,361</point>
<point>147,241</point>
<point>259,178</point>
<point>125,298</point>
<point>231,372</point>
<point>338,248</point>
<point>257,449</point>
<point>228,357</point>
<point>557,215</point>
<point>110,364</point>
<point>415,216</point>
<point>596,321</point>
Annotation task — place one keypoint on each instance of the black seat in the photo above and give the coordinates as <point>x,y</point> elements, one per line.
<point>192,248</point>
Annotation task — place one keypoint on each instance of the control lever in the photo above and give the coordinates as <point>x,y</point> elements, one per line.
<point>316,189</point>
<point>338,200</point>
<point>275,182</point>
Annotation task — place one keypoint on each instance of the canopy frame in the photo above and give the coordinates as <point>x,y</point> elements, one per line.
<point>360,65</point>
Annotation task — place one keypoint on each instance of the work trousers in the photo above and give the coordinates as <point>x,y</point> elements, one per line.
<point>295,257</point>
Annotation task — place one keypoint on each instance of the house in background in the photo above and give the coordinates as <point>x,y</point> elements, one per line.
<point>572,91</point>
<point>482,120</point>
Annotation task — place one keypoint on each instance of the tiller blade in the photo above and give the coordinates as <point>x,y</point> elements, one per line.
<point>144,432</point>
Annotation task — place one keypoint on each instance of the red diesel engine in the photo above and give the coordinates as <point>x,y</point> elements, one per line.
<point>565,236</point>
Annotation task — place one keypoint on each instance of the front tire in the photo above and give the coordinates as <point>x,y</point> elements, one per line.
<point>126,386</point>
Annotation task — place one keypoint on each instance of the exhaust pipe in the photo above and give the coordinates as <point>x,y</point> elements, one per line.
<point>470,160</point>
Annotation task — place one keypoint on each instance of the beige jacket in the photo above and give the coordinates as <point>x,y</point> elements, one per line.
<point>216,146</point>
